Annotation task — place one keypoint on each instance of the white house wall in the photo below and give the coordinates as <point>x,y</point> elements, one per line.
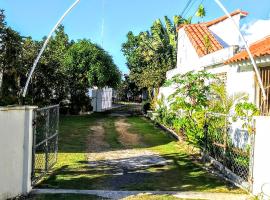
<point>186,55</point>
<point>241,82</point>
<point>166,92</point>
<point>188,59</point>
<point>237,82</point>
<point>225,31</point>
<point>217,57</point>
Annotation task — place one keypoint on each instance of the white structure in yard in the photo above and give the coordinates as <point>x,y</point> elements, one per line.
<point>102,99</point>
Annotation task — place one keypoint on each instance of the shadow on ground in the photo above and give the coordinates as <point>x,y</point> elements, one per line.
<point>75,171</point>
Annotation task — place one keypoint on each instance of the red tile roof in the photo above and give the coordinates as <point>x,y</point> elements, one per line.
<point>258,49</point>
<point>220,19</point>
<point>198,34</point>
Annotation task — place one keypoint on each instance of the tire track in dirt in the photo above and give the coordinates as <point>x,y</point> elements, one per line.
<point>126,138</point>
<point>96,141</point>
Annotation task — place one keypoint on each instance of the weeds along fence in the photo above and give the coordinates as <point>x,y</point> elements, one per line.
<point>225,140</point>
<point>230,141</point>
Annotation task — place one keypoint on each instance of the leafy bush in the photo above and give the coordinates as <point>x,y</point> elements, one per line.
<point>196,94</point>
<point>191,97</point>
<point>246,111</point>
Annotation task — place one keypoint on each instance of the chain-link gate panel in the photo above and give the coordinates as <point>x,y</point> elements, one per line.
<point>45,141</point>
<point>230,143</point>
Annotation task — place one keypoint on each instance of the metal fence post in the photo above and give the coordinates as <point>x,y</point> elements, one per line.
<point>225,142</point>
<point>251,155</point>
<point>46,135</point>
<point>57,131</point>
<point>34,144</point>
<point>205,139</point>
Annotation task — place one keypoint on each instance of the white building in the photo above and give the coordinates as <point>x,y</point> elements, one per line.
<point>243,77</point>
<point>214,46</point>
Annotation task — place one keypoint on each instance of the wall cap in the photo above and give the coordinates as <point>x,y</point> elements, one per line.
<point>10,108</point>
<point>261,117</point>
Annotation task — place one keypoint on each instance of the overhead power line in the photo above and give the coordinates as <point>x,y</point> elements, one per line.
<point>186,6</point>
<point>188,9</point>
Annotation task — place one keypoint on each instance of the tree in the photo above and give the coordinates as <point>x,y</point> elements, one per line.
<point>2,33</point>
<point>88,65</point>
<point>54,60</point>
<point>49,81</point>
<point>11,63</point>
<point>126,87</point>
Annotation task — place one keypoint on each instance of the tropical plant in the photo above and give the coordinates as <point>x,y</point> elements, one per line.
<point>220,101</point>
<point>246,111</point>
<point>152,53</point>
<point>201,11</point>
<point>190,102</point>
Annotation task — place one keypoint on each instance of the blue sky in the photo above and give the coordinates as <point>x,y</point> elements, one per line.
<point>36,17</point>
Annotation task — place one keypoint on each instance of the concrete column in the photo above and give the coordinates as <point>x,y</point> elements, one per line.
<point>261,165</point>
<point>16,140</point>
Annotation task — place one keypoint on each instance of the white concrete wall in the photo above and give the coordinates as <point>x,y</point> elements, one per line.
<point>241,82</point>
<point>166,92</point>
<point>102,99</point>
<point>216,57</point>
<point>261,166</point>
<point>237,81</point>
<point>15,151</point>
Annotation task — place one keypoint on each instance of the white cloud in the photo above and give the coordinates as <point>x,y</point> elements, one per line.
<point>256,30</point>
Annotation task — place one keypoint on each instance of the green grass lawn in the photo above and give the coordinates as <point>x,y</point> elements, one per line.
<point>73,172</point>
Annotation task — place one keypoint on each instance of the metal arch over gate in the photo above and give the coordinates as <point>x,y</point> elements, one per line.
<point>45,141</point>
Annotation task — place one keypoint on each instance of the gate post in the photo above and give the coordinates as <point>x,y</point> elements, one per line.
<point>16,141</point>
<point>261,164</point>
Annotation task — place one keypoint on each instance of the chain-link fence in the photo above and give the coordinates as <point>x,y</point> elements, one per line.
<point>45,141</point>
<point>229,141</point>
